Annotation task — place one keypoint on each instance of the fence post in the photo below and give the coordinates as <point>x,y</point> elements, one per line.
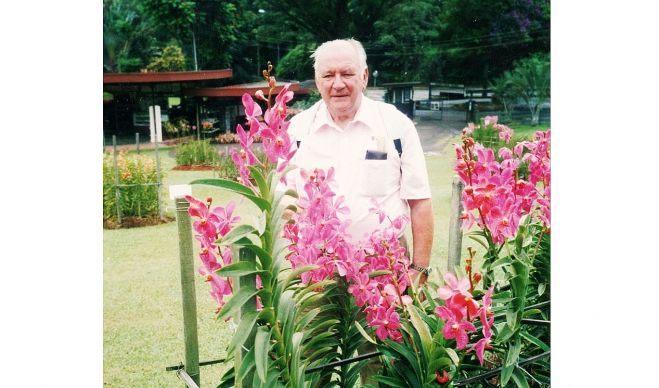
<point>244,281</point>
<point>455,233</point>
<point>137,142</point>
<point>116,178</point>
<point>188,289</point>
<point>158,184</point>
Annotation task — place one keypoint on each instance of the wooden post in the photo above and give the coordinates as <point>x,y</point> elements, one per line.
<point>158,184</point>
<point>188,289</point>
<point>455,233</point>
<point>137,142</point>
<point>116,178</point>
<point>244,281</point>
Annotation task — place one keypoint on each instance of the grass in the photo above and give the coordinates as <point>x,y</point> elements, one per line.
<point>142,313</point>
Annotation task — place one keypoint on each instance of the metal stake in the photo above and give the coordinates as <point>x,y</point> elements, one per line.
<point>455,233</point>
<point>188,289</point>
<point>116,178</point>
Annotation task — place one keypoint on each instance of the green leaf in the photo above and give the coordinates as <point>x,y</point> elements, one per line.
<point>245,326</point>
<point>506,372</point>
<point>530,312</point>
<point>260,181</point>
<point>243,295</point>
<point>454,356</point>
<point>502,261</point>
<point>513,353</point>
<point>307,318</point>
<point>239,268</point>
<point>536,341</point>
<point>409,356</point>
<point>261,349</point>
<point>440,363</point>
<point>421,327</point>
<point>297,272</point>
<point>363,333</point>
<point>479,241</point>
<point>390,381</point>
<point>541,288</point>
<point>519,378</point>
<point>246,364</point>
<point>379,273</point>
<point>236,188</point>
<point>266,258</point>
<point>235,234</point>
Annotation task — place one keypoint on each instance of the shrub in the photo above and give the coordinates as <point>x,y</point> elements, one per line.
<point>196,152</point>
<point>136,200</point>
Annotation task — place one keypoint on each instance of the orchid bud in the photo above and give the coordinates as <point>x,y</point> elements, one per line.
<point>265,74</point>
<point>468,268</point>
<point>259,94</point>
<point>209,200</point>
<point>442,378</point>
<point>272,82</point>
<point>477,277</point>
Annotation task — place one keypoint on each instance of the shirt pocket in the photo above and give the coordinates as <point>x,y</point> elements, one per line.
<point>378,177</point>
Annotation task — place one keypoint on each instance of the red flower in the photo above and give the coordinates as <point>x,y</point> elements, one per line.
<point>442,378</point>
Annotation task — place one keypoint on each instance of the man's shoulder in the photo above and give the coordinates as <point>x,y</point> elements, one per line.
<point>301,121</point>
<point>397,121</point>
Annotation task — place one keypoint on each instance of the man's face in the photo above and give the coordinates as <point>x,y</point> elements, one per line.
<point>340,81</point>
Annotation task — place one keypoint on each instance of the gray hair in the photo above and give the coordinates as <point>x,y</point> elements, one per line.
<point>356,45</point>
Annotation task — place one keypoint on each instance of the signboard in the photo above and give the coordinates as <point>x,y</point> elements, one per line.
<point>155,123</point>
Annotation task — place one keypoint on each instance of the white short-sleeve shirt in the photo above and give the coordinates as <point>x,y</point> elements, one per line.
<point>361,177</point>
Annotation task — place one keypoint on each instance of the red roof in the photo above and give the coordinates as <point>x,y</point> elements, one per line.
<point>239,90</point>
<point>166,76</point>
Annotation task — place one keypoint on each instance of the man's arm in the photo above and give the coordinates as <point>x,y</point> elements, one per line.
<point>422,232</point>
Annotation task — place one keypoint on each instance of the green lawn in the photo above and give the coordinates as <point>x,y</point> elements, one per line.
<point>142,314</point>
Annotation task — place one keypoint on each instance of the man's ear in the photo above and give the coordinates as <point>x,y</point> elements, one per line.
<point>365,77</point>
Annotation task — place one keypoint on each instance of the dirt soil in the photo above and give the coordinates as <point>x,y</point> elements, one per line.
<point>136,222</point>
<point>194,167</point>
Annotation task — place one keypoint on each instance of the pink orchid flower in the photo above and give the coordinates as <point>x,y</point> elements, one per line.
<point>252,109</point>
<point>455,328</point>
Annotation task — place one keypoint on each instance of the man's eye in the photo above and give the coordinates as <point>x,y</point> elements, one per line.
<point>327,76</point>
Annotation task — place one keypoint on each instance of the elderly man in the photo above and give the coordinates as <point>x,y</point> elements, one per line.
<point>374,149</point>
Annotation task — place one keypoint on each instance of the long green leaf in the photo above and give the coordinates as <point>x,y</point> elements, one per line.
<point>409,356</point>
<point>260,181</point>
<point>236,234</point>
<point>239,268</point>
<point>243,295</point>
<point>519,378</point>
<point>535,341</point>
<point>246,364</point>
<point>363,333</point>
<point>421,327</point>
<point>261,349</point>
<point>390,381</point>
<point>245,326</point>
<point>266,259</point>
<point>513,352</point>
<point>236,188</point>
<point>453,355</point>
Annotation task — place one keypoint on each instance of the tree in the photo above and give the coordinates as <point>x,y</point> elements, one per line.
<point>171,59</point>
<point>127,36</point>
<point>481,39</point>
<point>530,81</point>
<point>297,64</point>
<point>405,38</point>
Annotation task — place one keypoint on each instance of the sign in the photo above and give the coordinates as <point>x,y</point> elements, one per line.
<point>155,123</point>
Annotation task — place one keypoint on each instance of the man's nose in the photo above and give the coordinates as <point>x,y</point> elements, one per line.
<point>337,82</point>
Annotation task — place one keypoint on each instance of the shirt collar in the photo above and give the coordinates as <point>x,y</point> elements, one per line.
<point>366,114</point>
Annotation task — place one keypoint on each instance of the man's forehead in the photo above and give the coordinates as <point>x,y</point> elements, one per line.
<point>338,56</point>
